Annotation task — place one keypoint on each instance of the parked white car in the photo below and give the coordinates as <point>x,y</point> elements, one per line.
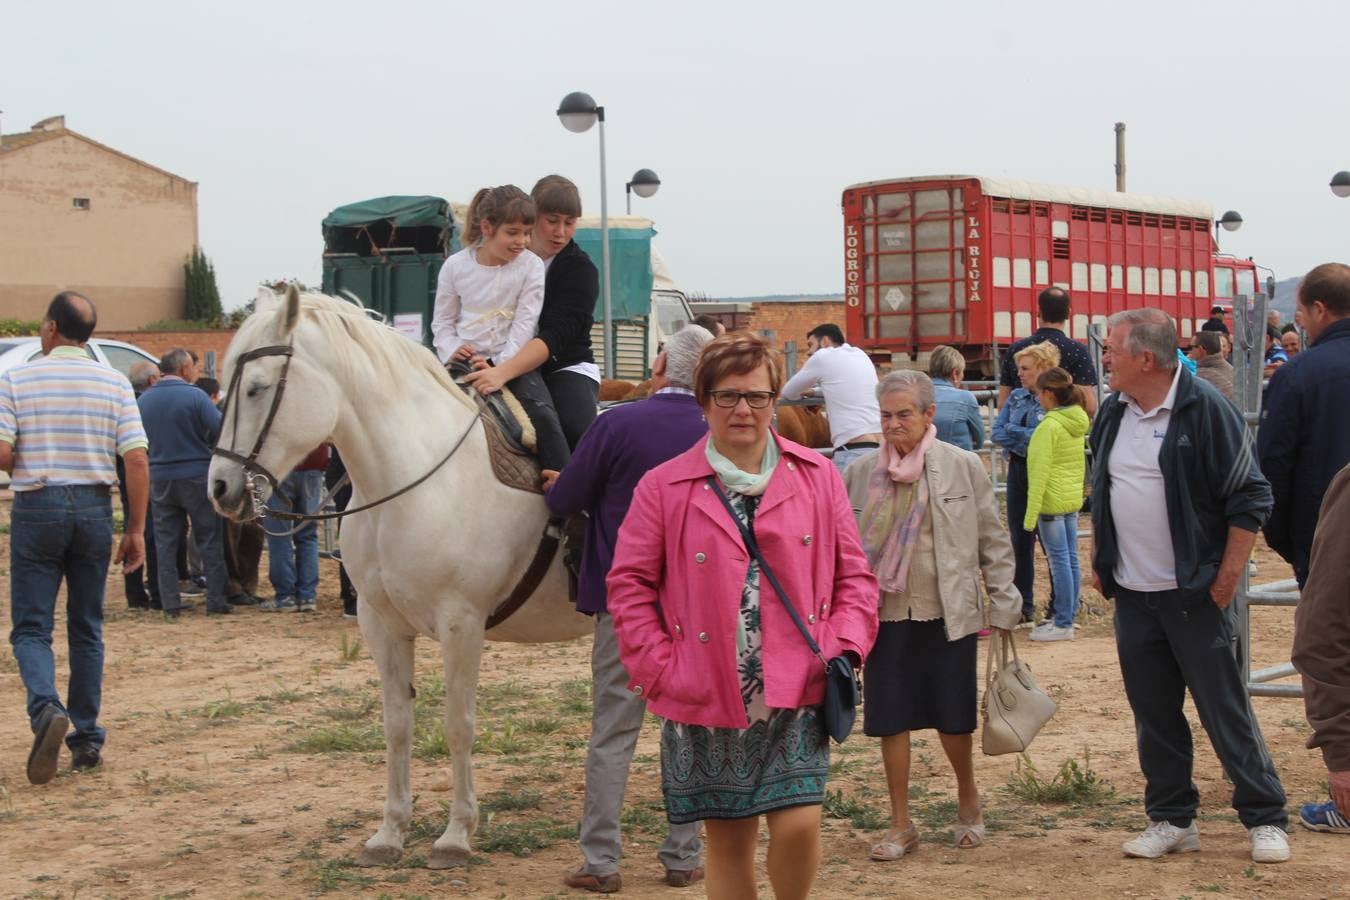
<point>118,355</point>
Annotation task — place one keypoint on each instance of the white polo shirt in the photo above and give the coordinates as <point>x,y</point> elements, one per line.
<point>1138,502</point>
<point>848,380</point>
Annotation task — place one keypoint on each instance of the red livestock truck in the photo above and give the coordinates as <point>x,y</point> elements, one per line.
<point>960,260</point>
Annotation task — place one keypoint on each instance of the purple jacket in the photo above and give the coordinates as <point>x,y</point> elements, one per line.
<point>619,448</point>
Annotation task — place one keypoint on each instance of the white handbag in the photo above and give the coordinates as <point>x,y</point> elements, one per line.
<point>1014,706</point>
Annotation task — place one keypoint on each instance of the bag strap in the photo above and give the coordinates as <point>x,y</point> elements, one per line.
<point>999,652</point>
<point>752,546</point>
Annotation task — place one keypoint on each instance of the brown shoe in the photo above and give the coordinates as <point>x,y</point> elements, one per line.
<point>586,881</point>
<point>683,877</point>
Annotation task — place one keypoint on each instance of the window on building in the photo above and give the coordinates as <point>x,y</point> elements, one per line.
<point>80,202</point>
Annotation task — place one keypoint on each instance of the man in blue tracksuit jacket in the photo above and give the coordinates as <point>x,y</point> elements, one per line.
<point>1304,439</point>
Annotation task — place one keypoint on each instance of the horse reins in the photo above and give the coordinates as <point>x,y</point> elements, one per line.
<point>258,475</point>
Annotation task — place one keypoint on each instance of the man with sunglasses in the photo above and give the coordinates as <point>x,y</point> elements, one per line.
<point>848,381</point>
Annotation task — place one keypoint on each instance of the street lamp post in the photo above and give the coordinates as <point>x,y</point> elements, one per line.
<point>644,184</point>
<point>578,112</point>
<point>1229,221</point>
<point>1340,184</point>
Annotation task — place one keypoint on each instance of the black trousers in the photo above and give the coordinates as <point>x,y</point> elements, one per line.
<point>574,397</point>
<point>1169,641</point>
<point>1023,541</point>
<point>550,442</point>
<point>141,592</point>
<point>336,469</point>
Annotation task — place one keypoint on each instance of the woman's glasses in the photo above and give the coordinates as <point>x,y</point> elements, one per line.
<point>753,399</point>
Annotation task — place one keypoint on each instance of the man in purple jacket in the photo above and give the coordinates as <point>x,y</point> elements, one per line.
<point>615,452</point>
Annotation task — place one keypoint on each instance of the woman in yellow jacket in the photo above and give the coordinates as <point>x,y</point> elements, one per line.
<point>1055,472</point>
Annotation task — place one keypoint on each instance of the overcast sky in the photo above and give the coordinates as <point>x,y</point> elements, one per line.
<point>755,115</point>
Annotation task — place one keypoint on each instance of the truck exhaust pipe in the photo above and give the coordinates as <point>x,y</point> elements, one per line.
<point>1120,157</point>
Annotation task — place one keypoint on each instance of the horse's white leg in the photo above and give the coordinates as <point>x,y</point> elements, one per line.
<point>461,652</point>
<point>393,652</point>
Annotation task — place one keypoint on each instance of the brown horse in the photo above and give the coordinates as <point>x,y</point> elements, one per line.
<point>807,425</point>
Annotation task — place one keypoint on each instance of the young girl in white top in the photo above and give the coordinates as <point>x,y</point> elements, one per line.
<point>488,299</point>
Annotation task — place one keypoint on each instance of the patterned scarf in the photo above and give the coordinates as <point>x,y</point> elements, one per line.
<point>890,548</point>
<point>734,479</point>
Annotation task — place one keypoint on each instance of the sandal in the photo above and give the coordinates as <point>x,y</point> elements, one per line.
<point>969,835</point>
<point>896,844</point>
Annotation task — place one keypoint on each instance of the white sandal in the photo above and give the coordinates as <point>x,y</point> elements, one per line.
<point>896,844</point>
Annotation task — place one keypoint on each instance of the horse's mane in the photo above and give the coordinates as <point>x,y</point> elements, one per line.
<point>343,324</point>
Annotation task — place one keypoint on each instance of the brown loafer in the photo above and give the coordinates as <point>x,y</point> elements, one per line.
<point>587,881</point>
<point>683,877</point>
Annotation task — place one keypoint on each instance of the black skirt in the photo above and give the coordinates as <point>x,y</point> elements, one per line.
<point>916,679</point>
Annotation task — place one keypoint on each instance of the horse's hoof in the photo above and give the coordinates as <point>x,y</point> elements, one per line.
<point>447,858</point>
<point>378,856</point>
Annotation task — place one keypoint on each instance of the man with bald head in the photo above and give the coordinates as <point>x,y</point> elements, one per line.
<point>64,420</point>
<point>183,425</point>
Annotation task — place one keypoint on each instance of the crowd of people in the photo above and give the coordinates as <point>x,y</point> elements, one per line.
<point>710,541</point>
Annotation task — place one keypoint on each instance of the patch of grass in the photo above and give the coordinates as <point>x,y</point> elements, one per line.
<point>8,664</point>
<point>649,819</point>
<point>541,725</point>
<point>7,811</point>
<point>164,784</point>
<point>339,874</point>
<point>510,801</point>
<point>522,838</point>
<point>282,695</point>
<point>344,737</point>
<point>429,740</point>
<point>575,696</point>
<point>1215,888</point>
<point>505,743</point>
<point>491,697</point>
<point>359,712</point>
<point>1073,784</point>
<point>349,648</point>
<point>862,815</point>
<point>220,710</point>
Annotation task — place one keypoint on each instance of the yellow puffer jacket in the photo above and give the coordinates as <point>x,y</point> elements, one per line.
<point>1055,465</point>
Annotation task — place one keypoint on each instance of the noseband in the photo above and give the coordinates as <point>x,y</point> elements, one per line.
<point>257,475</point>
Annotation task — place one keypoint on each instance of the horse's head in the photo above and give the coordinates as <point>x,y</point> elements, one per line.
<point>280,404</point>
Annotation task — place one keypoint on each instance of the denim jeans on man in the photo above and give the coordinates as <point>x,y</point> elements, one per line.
<point>61,532</point>
<point>842,458</point>
<point>172,502</point>
<point>1059,537</point>
<point>293,561</point>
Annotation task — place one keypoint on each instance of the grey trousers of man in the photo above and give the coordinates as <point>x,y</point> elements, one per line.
<point>172,502</point>
<point>616,720</point>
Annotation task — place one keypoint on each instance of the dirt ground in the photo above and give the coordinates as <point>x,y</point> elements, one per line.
<point>245,759</point>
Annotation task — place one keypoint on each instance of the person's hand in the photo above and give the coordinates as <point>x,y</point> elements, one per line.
<point>465,352</point>
<point>549,478</point>
<point>1340,790</point>
<point>1224,588</point>
<point>479,361</point>
<point>131,552</point>
<point>488,380</point>
<point>1096,581</point>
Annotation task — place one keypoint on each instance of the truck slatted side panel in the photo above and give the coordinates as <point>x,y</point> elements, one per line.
<point>630,349</point>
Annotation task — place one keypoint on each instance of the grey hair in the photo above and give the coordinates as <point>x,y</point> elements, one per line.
<point>141,374</point>
<point>945,362</point>
<point>913,381</point>
<point>173,362</point>
<point>1152,330</point>
<point>683,350</point>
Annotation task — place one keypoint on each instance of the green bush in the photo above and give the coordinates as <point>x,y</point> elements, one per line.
<point>203,297</point>
<point>18,328</point>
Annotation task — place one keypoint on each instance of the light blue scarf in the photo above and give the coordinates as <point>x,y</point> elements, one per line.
<point>743,482</point>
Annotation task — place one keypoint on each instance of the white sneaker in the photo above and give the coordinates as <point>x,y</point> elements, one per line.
<point>1052,632</point>
<point>1269,844</point>
<point>1162,838</point>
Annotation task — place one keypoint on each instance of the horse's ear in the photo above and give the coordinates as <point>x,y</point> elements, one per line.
<point>292,306</point>
<point>266,299</point>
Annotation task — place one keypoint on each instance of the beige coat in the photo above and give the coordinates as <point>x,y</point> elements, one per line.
<point>968,536</point>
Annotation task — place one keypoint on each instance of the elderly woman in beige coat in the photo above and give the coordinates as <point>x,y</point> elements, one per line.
<point>913,496</point>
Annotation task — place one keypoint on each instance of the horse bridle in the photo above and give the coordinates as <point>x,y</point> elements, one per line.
<point>258,476</point>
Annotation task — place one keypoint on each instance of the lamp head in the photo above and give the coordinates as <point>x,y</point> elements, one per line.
<point>645,182</point>
<point>1340,184</point>
<point>1231,220</point>
<point>578,112</point>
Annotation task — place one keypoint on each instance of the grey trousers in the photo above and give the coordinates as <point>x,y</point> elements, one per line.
<point>172,503</point>
<point>616,720</point>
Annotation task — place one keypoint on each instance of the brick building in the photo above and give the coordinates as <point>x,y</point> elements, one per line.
<point>76,214</point>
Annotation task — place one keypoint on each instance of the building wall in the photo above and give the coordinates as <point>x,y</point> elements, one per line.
<point>157,343</point>
<point>126,252</point>
<point>791,321</point>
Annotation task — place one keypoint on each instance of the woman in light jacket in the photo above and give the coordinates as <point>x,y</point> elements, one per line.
<point>914,496</point>
<point>710,644</point>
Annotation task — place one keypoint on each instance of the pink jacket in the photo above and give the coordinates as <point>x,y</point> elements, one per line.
<point>679,567</point>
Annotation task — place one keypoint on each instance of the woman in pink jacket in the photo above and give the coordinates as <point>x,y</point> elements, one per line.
<point>717,655</point>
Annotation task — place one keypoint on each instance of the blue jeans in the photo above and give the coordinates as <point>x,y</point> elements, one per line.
<point>1059,537</point>
<point>172,503</point>
<point>842,458</point>
<point>61,532</point>
<point>293,561</point>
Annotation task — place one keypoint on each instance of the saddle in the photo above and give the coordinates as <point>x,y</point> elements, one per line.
<point>510,434</point>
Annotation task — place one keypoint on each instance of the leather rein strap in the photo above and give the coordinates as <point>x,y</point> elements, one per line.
<point>534,574</point>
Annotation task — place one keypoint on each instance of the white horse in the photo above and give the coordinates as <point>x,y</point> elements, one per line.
<point>434,561</point>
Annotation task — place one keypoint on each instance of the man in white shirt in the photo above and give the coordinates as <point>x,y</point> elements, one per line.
<point>1177,501</point>
<point>848,381</point>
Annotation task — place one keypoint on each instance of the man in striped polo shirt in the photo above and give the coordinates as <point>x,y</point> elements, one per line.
<point>64,419</point>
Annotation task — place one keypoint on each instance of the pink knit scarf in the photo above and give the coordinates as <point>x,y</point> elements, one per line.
<point>890,548</point>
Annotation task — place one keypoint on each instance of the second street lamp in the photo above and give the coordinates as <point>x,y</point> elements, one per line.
<point>578,112</point>
<point>1229,221</point>
<point>644,184</point>
<point>1340,184</point>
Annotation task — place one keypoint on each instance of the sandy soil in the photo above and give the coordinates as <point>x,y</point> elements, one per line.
<point>244,760</point>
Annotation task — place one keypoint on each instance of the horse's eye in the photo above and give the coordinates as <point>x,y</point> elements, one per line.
<point>256,389</point>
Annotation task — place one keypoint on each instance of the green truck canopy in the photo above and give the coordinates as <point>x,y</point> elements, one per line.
<point>630,264</point>
<point>421,224</point>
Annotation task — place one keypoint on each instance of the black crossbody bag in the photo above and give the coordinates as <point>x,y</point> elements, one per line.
<point>842,690</point>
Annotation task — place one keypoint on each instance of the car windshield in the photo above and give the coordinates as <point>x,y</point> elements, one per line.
<point>11,343</point>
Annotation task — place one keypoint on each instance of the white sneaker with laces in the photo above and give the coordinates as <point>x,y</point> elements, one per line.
<point>1162,838</point>
<point>1052,632</point>
<point>1269,844</point>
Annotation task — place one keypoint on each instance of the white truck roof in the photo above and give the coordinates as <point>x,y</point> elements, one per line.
<point>1015,189</point>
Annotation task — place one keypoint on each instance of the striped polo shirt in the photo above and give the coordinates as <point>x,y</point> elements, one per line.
<point>67,417</point>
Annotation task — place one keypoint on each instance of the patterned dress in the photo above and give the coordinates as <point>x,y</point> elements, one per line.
<point>780,760</point>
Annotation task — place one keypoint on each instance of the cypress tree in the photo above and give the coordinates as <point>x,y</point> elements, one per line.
<point>203,297</point>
